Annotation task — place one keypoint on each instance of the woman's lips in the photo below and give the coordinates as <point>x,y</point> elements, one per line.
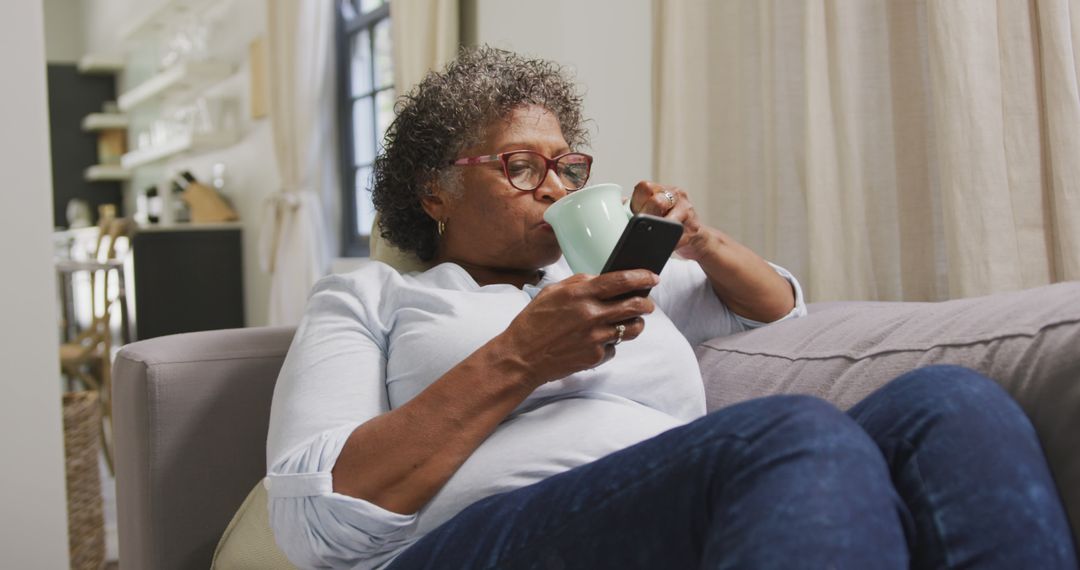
<point>546,227</point>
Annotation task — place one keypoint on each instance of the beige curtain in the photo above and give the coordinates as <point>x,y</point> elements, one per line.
<point>296,238</point>
<point>891,150</point>
<point>424,34</point>
<point>425,37</point>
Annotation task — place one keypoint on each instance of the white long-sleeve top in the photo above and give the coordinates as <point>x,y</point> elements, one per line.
<point>372,339</point>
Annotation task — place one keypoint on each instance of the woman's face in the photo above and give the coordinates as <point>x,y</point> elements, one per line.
<point>492,224</point>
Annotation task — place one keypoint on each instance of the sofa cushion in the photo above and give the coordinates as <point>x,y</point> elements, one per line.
<point>248,543</point>
<point>1028,341</point>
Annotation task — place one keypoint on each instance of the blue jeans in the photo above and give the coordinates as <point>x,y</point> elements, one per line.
<point>938,469</point>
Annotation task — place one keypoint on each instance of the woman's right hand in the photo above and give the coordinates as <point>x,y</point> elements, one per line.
<point>571,325</point>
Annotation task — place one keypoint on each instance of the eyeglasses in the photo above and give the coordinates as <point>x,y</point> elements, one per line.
<point>526,170</point>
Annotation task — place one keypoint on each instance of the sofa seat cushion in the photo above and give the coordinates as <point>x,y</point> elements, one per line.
<point>1028,341</point>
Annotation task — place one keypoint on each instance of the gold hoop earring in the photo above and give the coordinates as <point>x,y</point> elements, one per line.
<point>441,227</point>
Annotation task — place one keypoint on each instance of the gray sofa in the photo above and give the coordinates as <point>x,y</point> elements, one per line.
<point>191,410</point>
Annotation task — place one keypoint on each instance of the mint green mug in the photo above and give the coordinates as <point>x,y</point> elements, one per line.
<point>588,224</point>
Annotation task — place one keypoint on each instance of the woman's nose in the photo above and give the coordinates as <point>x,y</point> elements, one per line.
<point>552,188</point>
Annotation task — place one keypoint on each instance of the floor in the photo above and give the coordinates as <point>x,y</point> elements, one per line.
<point>108,497</point>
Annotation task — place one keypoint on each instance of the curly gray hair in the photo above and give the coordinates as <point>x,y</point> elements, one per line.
<point>447,112</point>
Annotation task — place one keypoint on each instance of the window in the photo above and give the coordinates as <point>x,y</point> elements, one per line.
<point>366,109</point>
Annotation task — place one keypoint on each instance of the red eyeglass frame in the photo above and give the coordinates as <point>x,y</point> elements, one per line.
<point>549,163</point>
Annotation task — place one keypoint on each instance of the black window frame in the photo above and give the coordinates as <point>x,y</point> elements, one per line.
<point>352,243</point>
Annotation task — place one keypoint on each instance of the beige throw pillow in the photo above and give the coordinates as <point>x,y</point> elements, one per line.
<point>248,543</point>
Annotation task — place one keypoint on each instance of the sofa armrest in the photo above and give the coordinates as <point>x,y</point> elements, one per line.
<point>190,414</point>
<point>1028,341</point>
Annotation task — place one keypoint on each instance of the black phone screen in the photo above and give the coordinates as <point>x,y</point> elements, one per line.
<point>646,243</point>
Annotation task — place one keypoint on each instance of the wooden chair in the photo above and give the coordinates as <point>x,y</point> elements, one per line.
<point>86,358</point>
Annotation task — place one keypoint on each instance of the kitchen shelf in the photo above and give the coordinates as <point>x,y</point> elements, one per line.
<point>100,64</point>
<point>107,173</point>
<point>186,143</point>
<point>181,77</point>
<point>104,122</point>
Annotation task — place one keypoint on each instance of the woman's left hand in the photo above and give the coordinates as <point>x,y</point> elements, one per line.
<point>673,203</point>
<point>740,278</point>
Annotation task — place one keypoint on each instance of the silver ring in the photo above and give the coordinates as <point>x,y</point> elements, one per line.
<point>670,198</point>
<point>620,329</point>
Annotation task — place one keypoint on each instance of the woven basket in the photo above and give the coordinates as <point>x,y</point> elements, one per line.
<point>86,524</point>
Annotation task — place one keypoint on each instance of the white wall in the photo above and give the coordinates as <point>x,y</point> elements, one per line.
<point>609,45</point>
<point>33,527</point>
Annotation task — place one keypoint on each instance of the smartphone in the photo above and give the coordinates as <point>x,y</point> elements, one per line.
<point>646,243</point>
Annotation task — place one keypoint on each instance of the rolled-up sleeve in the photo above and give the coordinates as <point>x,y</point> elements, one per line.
<point>332,381</point>
<point>688,299</point>
<point>799,310</point>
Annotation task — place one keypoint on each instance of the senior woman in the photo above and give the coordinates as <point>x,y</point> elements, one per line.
<point>496,411</point>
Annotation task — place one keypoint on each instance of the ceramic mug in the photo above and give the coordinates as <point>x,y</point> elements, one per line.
<point>588,224</point>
